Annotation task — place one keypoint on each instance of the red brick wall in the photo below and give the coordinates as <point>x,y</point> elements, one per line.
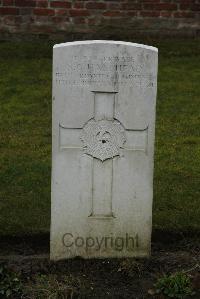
<point>52,17</point>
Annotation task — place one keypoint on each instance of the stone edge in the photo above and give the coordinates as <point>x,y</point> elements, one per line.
<point>88,42</point>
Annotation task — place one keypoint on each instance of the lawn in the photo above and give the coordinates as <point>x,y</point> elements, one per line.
<point>25,137</point>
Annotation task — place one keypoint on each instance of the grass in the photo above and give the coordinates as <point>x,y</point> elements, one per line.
<point>25,134</point>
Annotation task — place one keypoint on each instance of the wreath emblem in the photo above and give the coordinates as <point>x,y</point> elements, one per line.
<point>103,139</point>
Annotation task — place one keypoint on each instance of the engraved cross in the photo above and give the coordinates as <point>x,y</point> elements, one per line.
<point>103,138</point>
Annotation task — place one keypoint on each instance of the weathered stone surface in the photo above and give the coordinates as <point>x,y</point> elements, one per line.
<point>104,98</point>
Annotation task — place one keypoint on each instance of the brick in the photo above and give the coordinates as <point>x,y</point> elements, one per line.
<point>113,13</point>
<point>165,14</point>
<point>195,7</point>
<point>9,10</point>
<point>41,19</point>
<point>8,2</point>
<point>151,1</point>
<point>61,12</point>
<point>79,20</point>
<point>183,14</point>
<point>186,1</point>
<point>38,28</point>
<point>166,6</point>
<point>185,6</point>
<point>114,6</point>
<point>28,19</point>
<point>92,21</point>
<point>9,20</point>
<point>60,4</point>
<point>132,13</point>
<point>79,13</point>
<point>58,20</point>
<point>25,3</point>
<point>148,6</point>
<point>131,6</point>
<point>150,14</point>
<point>18,20</point>
<point>161,6</point>
<point>96,5</point>
<point>78,5</point>
<point>43,3</point>
<point>25,11</point>
<point>43,12</point>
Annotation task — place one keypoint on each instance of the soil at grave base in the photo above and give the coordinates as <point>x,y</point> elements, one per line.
<point>112,278</point>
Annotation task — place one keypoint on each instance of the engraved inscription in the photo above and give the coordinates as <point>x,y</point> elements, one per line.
<point>104,70</point>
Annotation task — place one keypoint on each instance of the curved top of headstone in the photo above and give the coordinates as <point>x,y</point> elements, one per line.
<point>89,42</point>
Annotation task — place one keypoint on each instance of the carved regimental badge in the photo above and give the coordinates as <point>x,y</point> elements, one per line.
<point>103,139</point>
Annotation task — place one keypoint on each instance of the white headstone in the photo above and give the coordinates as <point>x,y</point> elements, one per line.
<point>104,99</point>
